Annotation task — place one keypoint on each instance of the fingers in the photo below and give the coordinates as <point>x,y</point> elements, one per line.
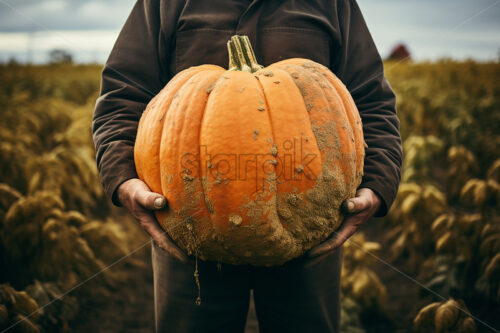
<point>149,224</point>
<point>344,234</point>
<point>337,239</point>
<point>348,228</point>
<point>325,247</point>
<point>317,259</point>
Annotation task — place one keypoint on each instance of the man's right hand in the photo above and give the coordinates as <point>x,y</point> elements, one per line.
<point>138,199</point>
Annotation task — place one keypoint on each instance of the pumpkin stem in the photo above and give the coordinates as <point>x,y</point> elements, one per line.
<point>241,56</point>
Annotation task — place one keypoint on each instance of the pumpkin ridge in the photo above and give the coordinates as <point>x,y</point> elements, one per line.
<point>141,153</point>
<point>280,78</point>
<point>268,111</point>
<point>184,194</point>
<point>314,210</point>
<point>348,174</point>
<point>208,204</point>
<point>173,105</point>
<point>346,113</point>
<point>354,118</point>
<point>287,104</point>
<point>273,137</point>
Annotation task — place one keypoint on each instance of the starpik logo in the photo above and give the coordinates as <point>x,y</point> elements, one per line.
<point>288,163</point>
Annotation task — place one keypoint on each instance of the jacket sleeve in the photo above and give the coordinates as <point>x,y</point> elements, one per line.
<point>131,76</point>
<point>359,65</point>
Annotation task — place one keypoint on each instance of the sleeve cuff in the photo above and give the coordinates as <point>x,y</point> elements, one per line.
<point>385,194</point>
<point>115,182</point>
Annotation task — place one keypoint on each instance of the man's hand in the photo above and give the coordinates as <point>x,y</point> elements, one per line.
<point>359,209</point>
<point>138,199</point>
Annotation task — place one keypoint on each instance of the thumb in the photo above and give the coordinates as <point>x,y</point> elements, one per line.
<point>356,204</point>
<point>151,200</point>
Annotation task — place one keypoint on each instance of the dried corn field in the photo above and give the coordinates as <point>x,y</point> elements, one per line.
<point>57,230</point>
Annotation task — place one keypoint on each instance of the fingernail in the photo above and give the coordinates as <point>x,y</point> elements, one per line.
<point>350,206</point>
<point>159,203</point>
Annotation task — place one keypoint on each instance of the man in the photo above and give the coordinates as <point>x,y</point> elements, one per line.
<point>163,37</point>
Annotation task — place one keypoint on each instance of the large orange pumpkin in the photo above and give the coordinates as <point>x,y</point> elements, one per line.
<point>254,162</point>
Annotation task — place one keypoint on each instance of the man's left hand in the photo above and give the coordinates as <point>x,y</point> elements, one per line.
<point>359,210</point>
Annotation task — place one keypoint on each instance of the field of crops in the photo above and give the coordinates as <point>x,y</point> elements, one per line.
<point>432,265</point>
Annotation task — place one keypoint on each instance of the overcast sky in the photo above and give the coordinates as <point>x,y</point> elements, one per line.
<point>432,29</point>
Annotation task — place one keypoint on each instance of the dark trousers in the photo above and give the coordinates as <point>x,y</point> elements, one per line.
<point>295,297</point>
